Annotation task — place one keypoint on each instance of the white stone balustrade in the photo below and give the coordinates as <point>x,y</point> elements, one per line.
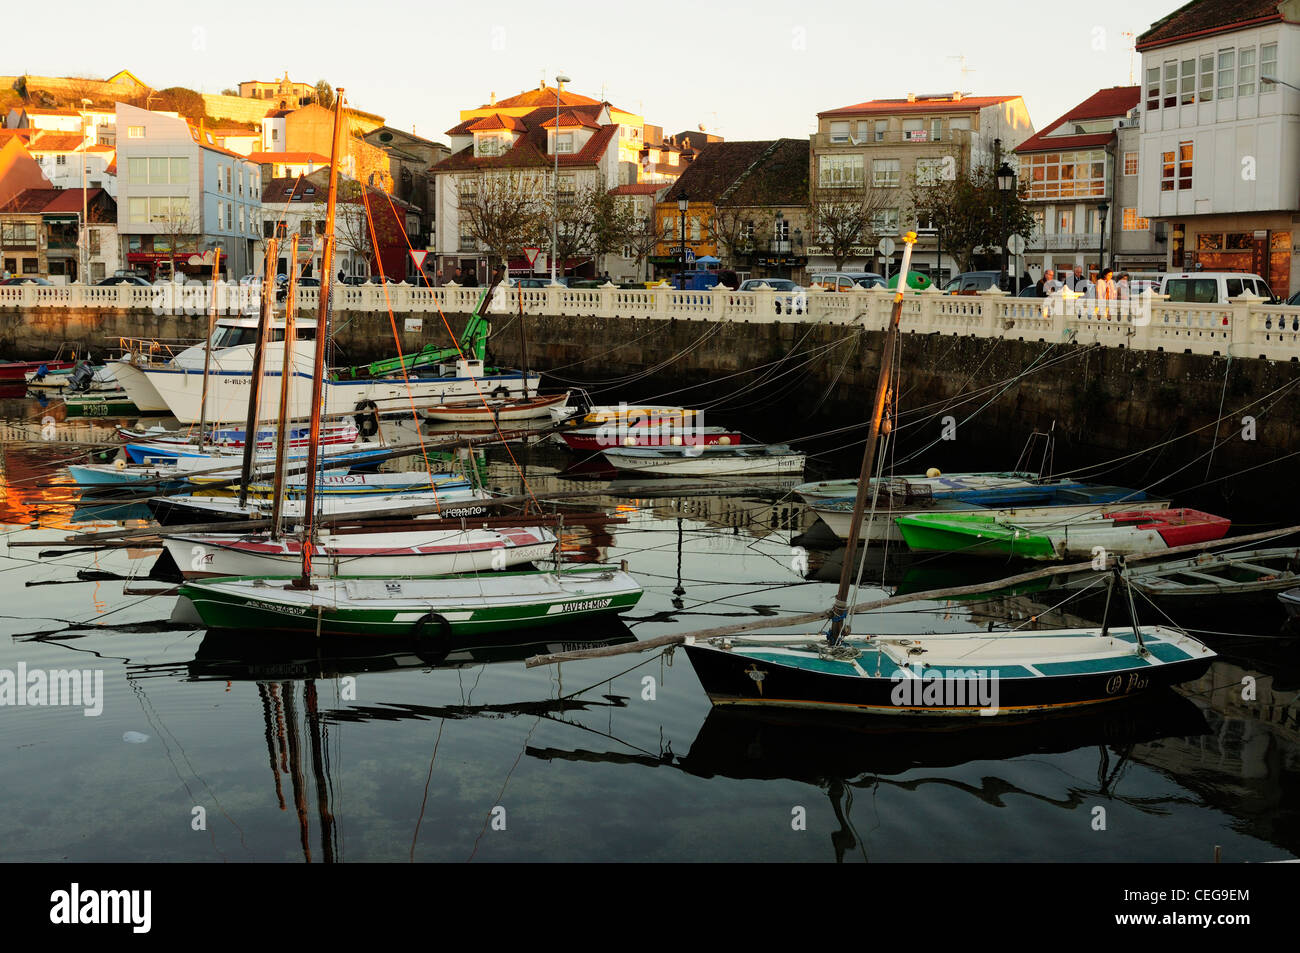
<point>1244,327</point>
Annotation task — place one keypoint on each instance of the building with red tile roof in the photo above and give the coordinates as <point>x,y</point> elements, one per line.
<point>43,229</point>
<point>1219,147</point>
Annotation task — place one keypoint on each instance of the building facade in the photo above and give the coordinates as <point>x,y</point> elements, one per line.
<point>1219,153</point>
<point>179,195</point>
<point>878,149</point>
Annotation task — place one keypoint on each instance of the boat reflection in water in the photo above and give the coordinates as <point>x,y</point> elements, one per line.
<point>843,753</point>
<point>286,672</point>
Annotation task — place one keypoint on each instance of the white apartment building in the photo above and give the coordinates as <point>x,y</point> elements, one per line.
<point>1220,145</point>
<point>179,194</point>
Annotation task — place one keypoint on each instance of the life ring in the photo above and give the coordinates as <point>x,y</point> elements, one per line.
<point>431,635</point>
<point>367,418</point>
<point>501,391</point>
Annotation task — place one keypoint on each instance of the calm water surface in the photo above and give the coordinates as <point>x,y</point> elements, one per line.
<point>322,753</point>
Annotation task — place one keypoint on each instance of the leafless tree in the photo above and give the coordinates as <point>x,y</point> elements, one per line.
<point>734,230</point>
<point>502,211</point>
<point>844,221</point>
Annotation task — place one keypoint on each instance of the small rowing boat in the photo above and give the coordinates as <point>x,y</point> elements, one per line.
<point>713,460</point>
<point>486,409</point>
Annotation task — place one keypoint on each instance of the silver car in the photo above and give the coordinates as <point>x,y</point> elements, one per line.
<point>794,301</point>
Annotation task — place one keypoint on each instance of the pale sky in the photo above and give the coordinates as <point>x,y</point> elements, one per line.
<point>746,70</point>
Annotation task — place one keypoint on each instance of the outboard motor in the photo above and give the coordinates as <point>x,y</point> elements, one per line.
<point>80,378</point>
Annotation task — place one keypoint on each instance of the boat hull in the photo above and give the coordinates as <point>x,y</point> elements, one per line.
<point>732,462</point>
<point>415,609</point>
<point>181,510</point>
<point>139,389</point>
<point>529,409</point>
<point>437,552</point>
<point>768,677</point>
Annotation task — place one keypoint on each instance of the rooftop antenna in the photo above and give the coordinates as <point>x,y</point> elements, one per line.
<point>1131,47</point>
<point>964,68</point>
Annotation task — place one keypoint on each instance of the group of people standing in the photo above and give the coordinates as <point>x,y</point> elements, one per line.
<point>1108,286</point>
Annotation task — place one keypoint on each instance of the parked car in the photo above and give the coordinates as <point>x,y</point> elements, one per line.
<point>124,278</point>
<point>1214,287</point>
<point>847,280</point>
<point>383,280</point>
<point>530,282</point>
<point>308,282</point>
<point>793,302</point>
<point>25,280</point>
<point>972,282</point>
<point>1028,291</point>
<point>353,280</point>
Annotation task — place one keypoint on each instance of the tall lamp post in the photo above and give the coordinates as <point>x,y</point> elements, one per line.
<point>1102,209</point>
<point>683,203</point>
<point>1006,185</point>
<point>560,80</point>
<point>82,238</point>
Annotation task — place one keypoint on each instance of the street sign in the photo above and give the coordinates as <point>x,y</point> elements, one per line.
<point>689,256</point>
<point>417,256</point>
<point>531,253</point>
<point>886,247</point>
<point>1016,244</point>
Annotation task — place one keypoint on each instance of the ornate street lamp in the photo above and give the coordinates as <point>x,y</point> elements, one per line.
<point>555,206</point>
<point>1102,209</point>
<point>1006,177</point>
<point>683,203</point>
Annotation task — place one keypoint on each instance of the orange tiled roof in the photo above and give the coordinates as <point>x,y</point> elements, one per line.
<point>893,107</point>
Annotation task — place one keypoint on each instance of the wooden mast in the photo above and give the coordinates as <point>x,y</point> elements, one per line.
<point>207,351</point>
<point>286,382</point>
<point>255,385</point>
<point>523,340</point>
<point>840,607</point>
<point>322,333</point>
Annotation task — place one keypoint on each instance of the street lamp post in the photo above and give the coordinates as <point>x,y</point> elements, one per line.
<point>560,79</point>
<point>1006,184</point>
<point>683,203</point>
<point>1102,209</point>
<point>646,230</point>
<point>81,239</point>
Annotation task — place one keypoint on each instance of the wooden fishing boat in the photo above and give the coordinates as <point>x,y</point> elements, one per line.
<point>228,456</point>
<point>15,372</point>
<point>715,460</point>
<point>233,439</point>
<point>1049,537</point>
<point>412,553</point>
<point>1049,501</point>
<point>1216,579</point>
<point>949,674</point>
<point>454,500</point>
<point>422,609</point>
<point>527,408</point>
<point>113,403</point>
<point>595,439</point>
<point>337,483</point>
<point>1291,601</point>
<point>648,415</point>
<point>951,484</point>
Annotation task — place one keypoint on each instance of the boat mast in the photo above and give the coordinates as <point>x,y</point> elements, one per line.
<point>322,333</point>
<point>286,381</point>
<point>841,605</point>
<point>523,340</point>
<point>207,351</point>
<point>255,385</point>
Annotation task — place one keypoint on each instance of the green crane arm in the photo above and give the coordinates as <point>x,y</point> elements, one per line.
<point>473,345</point>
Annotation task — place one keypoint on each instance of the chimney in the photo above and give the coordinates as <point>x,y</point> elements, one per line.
<point>493,100</point>
<point>911,97</point>
<point>956,97</point>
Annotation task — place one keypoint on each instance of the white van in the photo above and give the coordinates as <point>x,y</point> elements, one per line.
<point>1214,287</point>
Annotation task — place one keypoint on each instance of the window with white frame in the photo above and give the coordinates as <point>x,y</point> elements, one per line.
<point>1207,78</point>
<point>936,130</point>
<point>1153,87</point>
<point>1130,163</point>
<point>1246,72</point>
<point>1184,166</point>
<point>138,209</point>
<point>1168,169</point>
<point>135,132</point>
<point>1065,174</point>
<point>930,171</point>
<point>885,222</point>
<point>1065,221</point>
<point>885,173</point>
<point>960,123</point>
<point>1267,66</point>
<point>563,142</point>
<point>1187,83</point>
<point>839,172</point>
<point>1134,222</point>
<point>782,230</point>
<point>840,131</point>
<point>914,130</point>
<point>1171,83</point>
<point>1227,73</point>
<point>882,127</point>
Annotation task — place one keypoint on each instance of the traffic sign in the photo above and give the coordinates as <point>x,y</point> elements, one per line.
<point>886,247</point>
<point>1016,244</point>
<point>418,255</point>
<point>531,252</point>
<point>689,256</point>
